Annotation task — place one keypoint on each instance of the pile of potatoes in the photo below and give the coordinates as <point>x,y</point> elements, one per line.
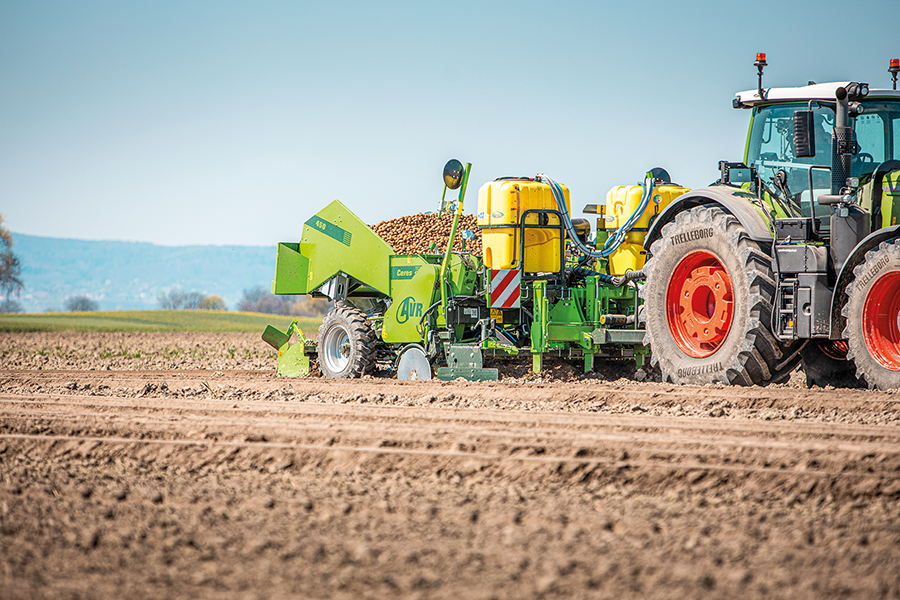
<point>414,234</point>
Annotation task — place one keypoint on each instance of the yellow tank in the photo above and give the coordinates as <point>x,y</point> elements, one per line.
<point>621,202</point>
<point>501,204</point>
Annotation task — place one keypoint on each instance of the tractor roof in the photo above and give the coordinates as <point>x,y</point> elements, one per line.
<point>816,91</point>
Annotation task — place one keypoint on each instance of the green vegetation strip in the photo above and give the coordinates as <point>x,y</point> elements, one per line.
<point>152,320</point>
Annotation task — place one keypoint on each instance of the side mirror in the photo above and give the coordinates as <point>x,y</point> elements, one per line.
<point>453,174</point>
<point>804,134</point>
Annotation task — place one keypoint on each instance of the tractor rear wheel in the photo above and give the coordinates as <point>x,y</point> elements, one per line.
<point>825,363</point>
<point>708,304</point>
<point>346,344</point>
<point>873,317</point>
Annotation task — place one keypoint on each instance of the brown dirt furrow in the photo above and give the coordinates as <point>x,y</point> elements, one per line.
<point>359,406</point>
<point>783,405</point>
<point>535,423</point>
<point>351,417</point>
<point>768,397</point>
<point>95,443</point>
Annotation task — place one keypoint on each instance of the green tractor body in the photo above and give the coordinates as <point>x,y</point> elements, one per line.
<point>792,255</point>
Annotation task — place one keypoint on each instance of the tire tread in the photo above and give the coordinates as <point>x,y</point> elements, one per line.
<point>761,358</point>
<point>362,336</point>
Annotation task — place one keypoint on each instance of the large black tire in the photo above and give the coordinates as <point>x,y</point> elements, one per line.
<point>825,363</point>
<point>346,344</point>
<point>872,311</point>
<point>708,304</point>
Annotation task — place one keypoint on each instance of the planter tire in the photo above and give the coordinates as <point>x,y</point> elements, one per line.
<point>708,303</point>
<point>346,346</point>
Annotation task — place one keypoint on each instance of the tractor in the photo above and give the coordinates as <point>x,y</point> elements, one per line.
<point>793,253</point>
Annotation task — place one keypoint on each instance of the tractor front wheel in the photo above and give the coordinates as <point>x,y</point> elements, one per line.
<point>873,317</point>
<point>346,344</point>
<point>708,304</point>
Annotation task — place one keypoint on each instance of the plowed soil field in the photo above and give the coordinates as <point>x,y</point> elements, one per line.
<point>177,466</point>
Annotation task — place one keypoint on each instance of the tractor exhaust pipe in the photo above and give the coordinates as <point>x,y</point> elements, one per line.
<point>849,223</point>
<point>841,143</point>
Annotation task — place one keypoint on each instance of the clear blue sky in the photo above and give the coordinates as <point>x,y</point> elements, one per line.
<point>233,122</point>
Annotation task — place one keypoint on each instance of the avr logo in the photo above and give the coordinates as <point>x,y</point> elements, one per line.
<point>409,308</point>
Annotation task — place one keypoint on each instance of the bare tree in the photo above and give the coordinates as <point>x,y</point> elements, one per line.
<point>10,306</point>
<point>81,304</point>
<point>192,300</point>
<point>170,300</point>
<point>307,306</point>
<point>175,299</point>
<point>260,300</point>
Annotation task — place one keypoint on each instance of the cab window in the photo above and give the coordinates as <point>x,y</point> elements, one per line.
<point>784,176</point>
<point>871,136</point>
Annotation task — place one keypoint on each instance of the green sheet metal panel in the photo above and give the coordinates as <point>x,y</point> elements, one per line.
<point>566,332</point>
<point>890,198</point>
<point>462,274</point>
<point>291,270</point>
<point>293,360</point>
<point>412,292</point>
<point>469,374</point>
<point>404,267</point>
<point>336,241</point>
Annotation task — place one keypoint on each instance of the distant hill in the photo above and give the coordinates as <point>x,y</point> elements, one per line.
<point>130,275</point>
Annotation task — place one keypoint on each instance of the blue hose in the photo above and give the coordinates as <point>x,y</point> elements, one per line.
<point>612,244</point>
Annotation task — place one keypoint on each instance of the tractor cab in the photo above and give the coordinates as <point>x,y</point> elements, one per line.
<point>791,181</point>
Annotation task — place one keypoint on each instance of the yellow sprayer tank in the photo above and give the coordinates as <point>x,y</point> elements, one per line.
<point>621,202</point>
<point>501,204</point>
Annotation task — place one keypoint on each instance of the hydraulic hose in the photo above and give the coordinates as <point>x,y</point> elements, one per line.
<point>579,273</point>
<point>629,276</point>
<point>612,243</point>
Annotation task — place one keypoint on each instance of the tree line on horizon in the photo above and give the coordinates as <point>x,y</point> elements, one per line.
<point>261,300</point>
<point>176,299</point>
<point>258,299</point>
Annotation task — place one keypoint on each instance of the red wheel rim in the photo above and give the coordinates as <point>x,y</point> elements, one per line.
<point>881,331</point>
<point>700,304</point>
<point>835,349</point>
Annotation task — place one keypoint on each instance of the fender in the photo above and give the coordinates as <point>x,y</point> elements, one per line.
<point>741,203</point>
<point>839,296</point>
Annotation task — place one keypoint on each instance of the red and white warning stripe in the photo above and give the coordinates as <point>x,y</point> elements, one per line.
<point>505,285</point>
